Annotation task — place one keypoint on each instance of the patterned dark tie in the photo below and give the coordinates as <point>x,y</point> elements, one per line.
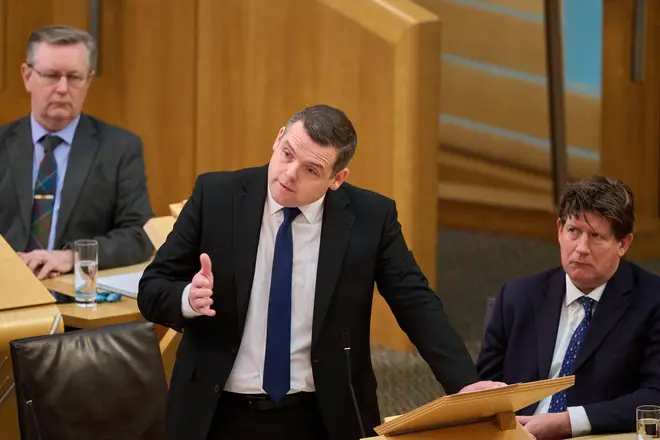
<point>558,402</point>
<point>277,366</point>
<point>44,195</point>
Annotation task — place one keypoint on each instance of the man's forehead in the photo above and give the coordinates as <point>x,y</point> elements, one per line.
<point>311,151</point>
<point>47,52</point>
<point>588,219</point>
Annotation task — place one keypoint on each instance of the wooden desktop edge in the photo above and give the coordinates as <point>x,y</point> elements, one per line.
<point>103,314</point>
<point>627,436</point>
<point>64,283</point>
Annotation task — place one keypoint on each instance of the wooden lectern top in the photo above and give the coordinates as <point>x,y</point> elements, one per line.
<point>474,407</point>
<point>18,286</point>
<point>158,228</point>
<point>175,208</point>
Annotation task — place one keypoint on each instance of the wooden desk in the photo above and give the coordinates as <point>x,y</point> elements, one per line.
<point>125,310</point>
<point>590,437</point>
<point>631,436</point>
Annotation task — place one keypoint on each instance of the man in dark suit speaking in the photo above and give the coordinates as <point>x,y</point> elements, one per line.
<point>270,273</point>
<point>597,317</point>
<point>65,175</point>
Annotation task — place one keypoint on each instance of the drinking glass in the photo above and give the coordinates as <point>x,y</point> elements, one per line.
<point>648,421</point>
<point>86,257</point>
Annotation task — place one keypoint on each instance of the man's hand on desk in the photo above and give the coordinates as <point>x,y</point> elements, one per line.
<point>548,426</point>
<point>48,264</point>
<point>482,385</point>
<point>201,288</point>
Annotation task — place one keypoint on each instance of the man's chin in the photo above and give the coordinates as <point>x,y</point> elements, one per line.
<point>282,196</point>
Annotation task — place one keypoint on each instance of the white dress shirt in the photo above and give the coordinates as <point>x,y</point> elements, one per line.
<point>572,313</point>
<point>247,374</point>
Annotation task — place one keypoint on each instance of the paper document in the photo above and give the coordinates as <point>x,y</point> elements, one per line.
<point>126,284</point>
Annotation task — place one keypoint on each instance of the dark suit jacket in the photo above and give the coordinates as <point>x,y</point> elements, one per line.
<point>104,196</point>
<point>361,243</point>
<point>618,365</point>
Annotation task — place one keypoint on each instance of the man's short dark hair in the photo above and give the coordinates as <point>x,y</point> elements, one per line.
<point>610,198</point>
<point>329,126</point>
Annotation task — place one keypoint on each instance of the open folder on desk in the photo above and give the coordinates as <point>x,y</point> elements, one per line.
<point>126,283</point>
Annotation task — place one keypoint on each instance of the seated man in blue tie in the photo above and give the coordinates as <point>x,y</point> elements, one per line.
<point>597,317</point>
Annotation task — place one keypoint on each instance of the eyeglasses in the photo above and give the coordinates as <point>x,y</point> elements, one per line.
<point>52,78</point>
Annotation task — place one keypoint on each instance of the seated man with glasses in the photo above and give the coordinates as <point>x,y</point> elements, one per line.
<point>596,317</point>
<point>65,175</point>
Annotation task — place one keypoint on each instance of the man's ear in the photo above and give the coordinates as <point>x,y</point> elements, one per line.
<point>280,134</point>
<point>339,179</point>
<point>560,226</point>
<point>25,74</point>
<point>624,244</point>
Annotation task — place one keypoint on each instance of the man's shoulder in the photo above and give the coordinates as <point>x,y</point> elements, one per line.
<point>532,284</point>
<point>7,129</point>
<point>365,197</point>
<point>107,131</point>
<point>645,282</point>
<point>232,179</point>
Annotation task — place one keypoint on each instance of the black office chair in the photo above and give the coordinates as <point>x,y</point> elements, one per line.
<point>104,383</point>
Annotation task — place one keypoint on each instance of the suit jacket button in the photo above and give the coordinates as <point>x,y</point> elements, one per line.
<point>234,349</point>
<point>316,361</point>
<point>216,388</point>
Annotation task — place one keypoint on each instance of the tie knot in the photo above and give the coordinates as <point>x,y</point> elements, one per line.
<point>587,303</point>
<point>290,214</point>
<point>50,142</point>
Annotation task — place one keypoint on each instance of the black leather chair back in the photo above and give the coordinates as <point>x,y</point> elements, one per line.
<point>103,383</point>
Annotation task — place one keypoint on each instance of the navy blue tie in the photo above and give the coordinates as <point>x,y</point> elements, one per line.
<point>277,366</point>
<point>558,402</point>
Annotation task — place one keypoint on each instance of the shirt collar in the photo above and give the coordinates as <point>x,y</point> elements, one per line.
<point>66,134</point>
<point>573,293</point>
<point>311,212</point>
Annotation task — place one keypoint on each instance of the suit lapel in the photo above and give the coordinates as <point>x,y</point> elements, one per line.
<point>248,214</point>
<point>547,313</point>
<point>81,157</point>
<point>335,233</point>
<point>612,305</point>
<point>20,151</point>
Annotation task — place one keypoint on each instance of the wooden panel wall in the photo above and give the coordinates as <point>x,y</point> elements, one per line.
<point>493,94</point>
<point>489,36</point>
<point>260,62</point>
<point>631,110</point>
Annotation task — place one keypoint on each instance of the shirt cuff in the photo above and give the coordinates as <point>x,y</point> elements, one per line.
<point>186,309</point>
<point>580,424</point>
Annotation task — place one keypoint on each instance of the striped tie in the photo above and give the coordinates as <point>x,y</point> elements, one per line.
<point>44,195</point>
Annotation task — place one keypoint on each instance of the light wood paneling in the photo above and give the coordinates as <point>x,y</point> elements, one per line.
<point>490,37</point>
<point>488,195</point>
<point>528,6</point>
<point>515,105</point>
<point>260,62</point>
<point>3,51</point>
<point>509,151</point>
<point>455,167</point>
<point>497,219</point>
<point>159,44</point>
<point>630,148</point>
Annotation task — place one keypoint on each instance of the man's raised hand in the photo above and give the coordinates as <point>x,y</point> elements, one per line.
<point>201,288</point>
